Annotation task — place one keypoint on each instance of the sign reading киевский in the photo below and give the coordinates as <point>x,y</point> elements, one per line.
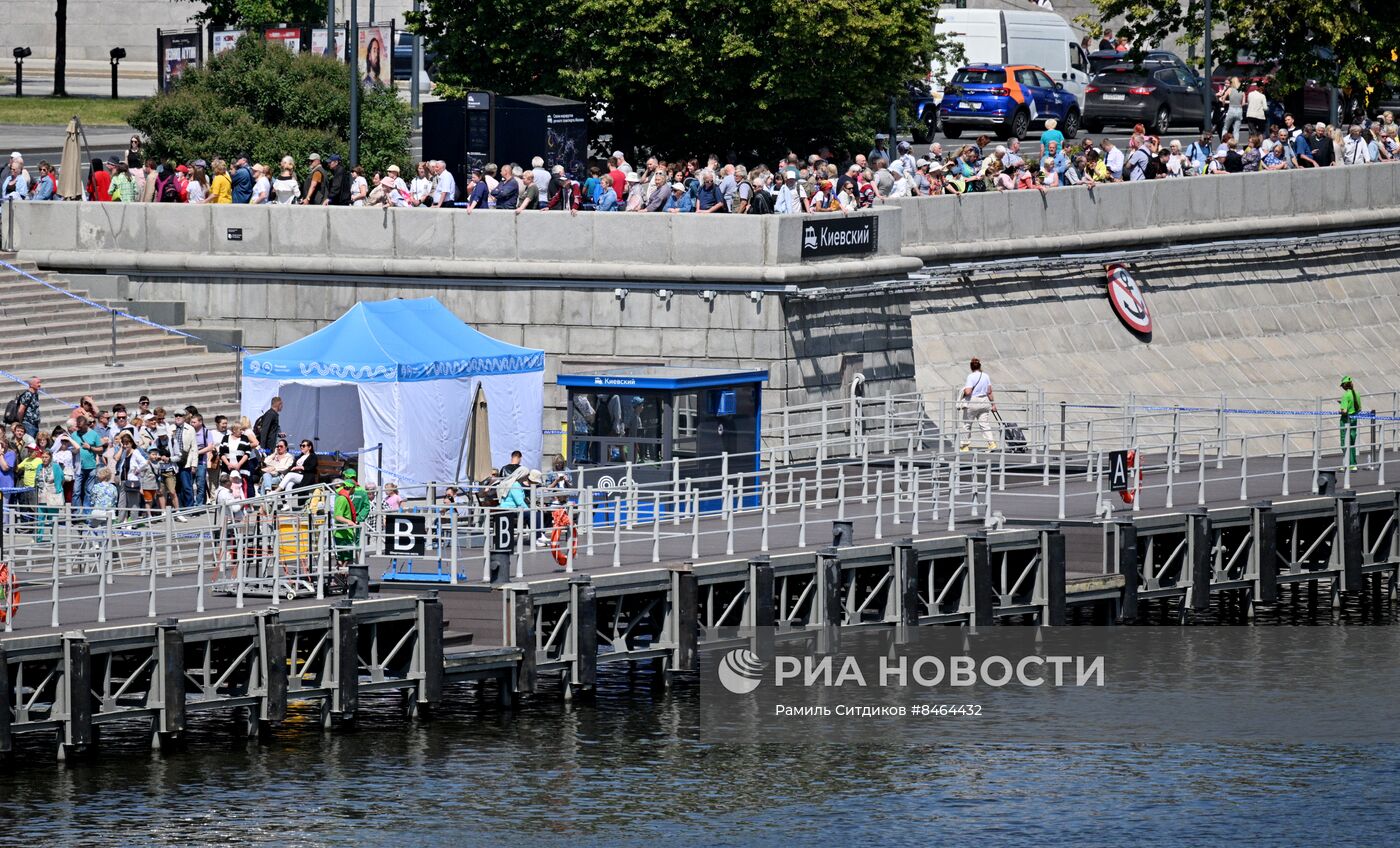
<point>855,236</point>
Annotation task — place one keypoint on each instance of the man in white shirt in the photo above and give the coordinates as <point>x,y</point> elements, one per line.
<point>444,185</point>
<point>622,163</point>
<point>977,402</point>
<point>789,199</point>
<point>1356,148</point>
<point>1113,159</point>
<point>542,179</point>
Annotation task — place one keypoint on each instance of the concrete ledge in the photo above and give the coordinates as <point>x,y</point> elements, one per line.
<point>1149,236</point>
<point>829,272</point>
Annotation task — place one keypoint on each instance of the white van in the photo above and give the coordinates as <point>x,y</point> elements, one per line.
<point>1013,37</point>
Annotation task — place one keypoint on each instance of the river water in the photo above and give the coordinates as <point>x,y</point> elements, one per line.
<point>626,769</point>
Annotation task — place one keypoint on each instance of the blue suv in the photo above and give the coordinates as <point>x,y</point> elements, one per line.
<point>1007,99</point>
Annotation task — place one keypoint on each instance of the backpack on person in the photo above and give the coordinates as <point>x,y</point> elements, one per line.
<point>169,190</point>
<point>12,409</point>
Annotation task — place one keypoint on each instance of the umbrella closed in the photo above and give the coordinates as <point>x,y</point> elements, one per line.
<point>70,169</point>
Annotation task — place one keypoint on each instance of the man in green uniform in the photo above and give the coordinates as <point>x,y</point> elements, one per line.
<point>360,497</point>
<point>1350,404</point>
<point>347,516</point>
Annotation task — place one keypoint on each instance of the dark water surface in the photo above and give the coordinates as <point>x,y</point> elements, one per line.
<point>627,769</point>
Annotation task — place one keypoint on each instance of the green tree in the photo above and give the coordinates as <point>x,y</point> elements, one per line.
<point>686,77</point>
<point>262,100</point>
<point>256,13</point>
<point>1350,44</point>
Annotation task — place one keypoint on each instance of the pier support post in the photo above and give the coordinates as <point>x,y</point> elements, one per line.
<point>760,618</point>
<point>519,615</point>
<point>6,699</point>
<point>584,599</point>
<point>828,601</point>
<point>979,571</point>
<point>685,619</point>
<point>1121,557</point>
<point>272,650</point>
<point>1263,526</point>
<point>1198,548</point>
<point>170,650</point>
<point>76,693</point>
<point>1052,561</point>
<point>345,694</point>
<point>904,591</point>
<point>429,653</point>
<point>1349,547</point>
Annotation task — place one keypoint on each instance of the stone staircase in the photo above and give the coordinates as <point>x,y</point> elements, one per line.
<point>69,344</point>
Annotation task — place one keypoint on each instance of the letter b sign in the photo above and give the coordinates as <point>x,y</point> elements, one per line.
<point>405,535</point>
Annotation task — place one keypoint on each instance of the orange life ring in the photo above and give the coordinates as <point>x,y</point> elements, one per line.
<point>9,592</point>
<point>563,524</point>
<point>1134,479</point>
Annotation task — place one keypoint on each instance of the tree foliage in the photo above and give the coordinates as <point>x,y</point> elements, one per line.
<point>256,13</point>
<point>261,100</point>
<point>687,77</point>
<point>1350,44</point>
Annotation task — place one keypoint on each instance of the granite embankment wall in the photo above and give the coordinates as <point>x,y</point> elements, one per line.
<point>490,245</point>
<point>1254,324</point>
<point>1244,321</point>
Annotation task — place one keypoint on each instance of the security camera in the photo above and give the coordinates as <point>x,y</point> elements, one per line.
<point>620,294</point>
<point>664,294</point>
<point>708,295</point>
<point>756,296</point>
<point>117,53</point>
<point>23,52</point>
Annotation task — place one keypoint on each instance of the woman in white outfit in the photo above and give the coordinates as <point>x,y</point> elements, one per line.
<point>977,401</point>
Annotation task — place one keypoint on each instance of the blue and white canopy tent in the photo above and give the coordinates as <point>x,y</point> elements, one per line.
<point>410,375</point>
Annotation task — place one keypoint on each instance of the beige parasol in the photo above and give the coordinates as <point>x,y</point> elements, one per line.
<point>70,169</point>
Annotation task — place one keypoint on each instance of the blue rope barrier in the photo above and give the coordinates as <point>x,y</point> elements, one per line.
<point>23,382</point>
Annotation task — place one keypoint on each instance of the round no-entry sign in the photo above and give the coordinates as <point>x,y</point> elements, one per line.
<point>1127,300</point>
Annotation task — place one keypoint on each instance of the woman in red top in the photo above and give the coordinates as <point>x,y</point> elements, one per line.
<point>99,185</point>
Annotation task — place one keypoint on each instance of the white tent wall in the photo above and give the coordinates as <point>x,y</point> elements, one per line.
<point>514,404</point>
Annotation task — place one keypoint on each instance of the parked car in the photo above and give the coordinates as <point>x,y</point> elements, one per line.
<point>403,56</point>
<point>1154,95</point>
<point>1102,59</point>
<point>1042,39</point>
<point>1009,100</point>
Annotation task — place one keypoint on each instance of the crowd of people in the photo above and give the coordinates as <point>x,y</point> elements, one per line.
<point>128,460</point>
<point>820,182</point>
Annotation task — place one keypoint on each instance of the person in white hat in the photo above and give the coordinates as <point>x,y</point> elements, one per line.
<point>636,193</point>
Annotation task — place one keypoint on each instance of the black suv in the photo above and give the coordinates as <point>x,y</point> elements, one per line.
<point>1152,94</point>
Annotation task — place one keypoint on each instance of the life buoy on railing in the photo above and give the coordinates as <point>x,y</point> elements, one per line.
<point>563,536</point>
<point>9,593</point>
<point>1134,479</point>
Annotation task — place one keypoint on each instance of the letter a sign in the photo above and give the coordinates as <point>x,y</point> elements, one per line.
<point>405,534</point>
<point>1118,471</point>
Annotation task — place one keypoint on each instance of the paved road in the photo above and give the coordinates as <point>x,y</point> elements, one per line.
<point>1024,498</point>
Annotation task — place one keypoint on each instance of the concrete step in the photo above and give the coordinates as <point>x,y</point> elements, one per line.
<point>21,336</point>
<point>95,352</point>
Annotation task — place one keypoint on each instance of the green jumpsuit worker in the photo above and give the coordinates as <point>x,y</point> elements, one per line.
<point>347,519</point>
<point>1350,404</point>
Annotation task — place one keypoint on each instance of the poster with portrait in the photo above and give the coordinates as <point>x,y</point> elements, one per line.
<point>177,52</point>
<point>288,37</point>
<point>222,42</point>
<point>375,49</point>
<point>318,42</point>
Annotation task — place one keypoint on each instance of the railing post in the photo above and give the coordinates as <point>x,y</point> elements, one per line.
<point>802,516</point>
<point>879,503</point>
<point>1061,510</point>
<point>1220,435</point>
<point>1201,474</point>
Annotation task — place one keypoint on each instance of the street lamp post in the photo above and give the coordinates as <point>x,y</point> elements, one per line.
<point>354,44</point>
<point>21,53</point>
<point>117,54</point>
<point>1208,90</point>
